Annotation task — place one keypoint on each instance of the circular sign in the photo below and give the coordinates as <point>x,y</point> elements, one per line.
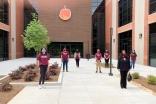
<point>65,13</point>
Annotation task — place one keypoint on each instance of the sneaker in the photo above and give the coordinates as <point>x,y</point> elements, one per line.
<point>96,72</point>
<point>63,70</point>
<point>39,86</point>
<point>100,72</point>
<point>67,71</point>
<point>43,86</point>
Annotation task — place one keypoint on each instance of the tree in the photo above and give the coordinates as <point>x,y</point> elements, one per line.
<point>35,35</point>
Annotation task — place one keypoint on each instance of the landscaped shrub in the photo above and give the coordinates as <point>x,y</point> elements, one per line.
<point>32,66</point>
<point>22,68</point>
<point>52,72</point>
<point>135,75</point>
<point>54,66</point>
<point>30,75</point>
<point>27,67</point>
<point>47,75</point>
<point>5,86</point>
<point>16,74</point>
<point>151,79</point>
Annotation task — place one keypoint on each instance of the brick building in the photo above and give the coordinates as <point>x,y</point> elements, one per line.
<point>134,27</point>
<point>133,23</point>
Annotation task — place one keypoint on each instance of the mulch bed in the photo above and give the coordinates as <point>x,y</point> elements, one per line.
<point>36,79</point>
<point>142,83</point>
<point>6,96</point>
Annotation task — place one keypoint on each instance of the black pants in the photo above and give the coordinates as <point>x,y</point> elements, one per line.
<point>123,80</point>
<point>43,69</point>
<point>77,62</point>
<point>106,62</point>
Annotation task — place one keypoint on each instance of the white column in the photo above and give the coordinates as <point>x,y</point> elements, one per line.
<point>114,29</point>
<point>139,29</point>
<point>13,29</point>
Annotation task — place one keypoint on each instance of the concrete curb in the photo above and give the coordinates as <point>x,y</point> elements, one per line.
<point>36,83</point>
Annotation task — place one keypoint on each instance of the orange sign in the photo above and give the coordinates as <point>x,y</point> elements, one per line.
<point>65,13</point>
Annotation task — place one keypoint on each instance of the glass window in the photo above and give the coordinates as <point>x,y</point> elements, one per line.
<point>152,6</point>
<point>3,45</point>
<point>4,11</point>
<point>125,12</point>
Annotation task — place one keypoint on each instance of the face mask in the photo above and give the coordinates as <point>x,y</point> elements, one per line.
<point>43,51</point>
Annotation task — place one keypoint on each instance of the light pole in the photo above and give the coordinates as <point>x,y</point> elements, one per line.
<point>111,34</point>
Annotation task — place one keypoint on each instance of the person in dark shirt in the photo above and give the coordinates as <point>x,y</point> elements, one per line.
<point>65,59</point>
<point>43,62</point>
<point>133,56</point>
<point>123,67</point>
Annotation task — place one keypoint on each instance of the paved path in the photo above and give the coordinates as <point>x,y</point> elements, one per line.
<point>84,86</point>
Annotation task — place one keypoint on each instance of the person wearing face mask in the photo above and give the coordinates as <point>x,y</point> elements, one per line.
<point>77,57</point>
<point>43,62</point>
<point>123,67</point>
<point>133,56</point>
<point>106,57</point>
<point>65,59</point>
<point>98,57</point>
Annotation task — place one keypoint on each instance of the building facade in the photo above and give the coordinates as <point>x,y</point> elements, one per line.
<point>133,23</point>
<point>88,28</point>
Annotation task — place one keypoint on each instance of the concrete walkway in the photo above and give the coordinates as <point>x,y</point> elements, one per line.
<point>84,86</point>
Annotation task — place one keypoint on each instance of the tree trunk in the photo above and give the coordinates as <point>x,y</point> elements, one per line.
<point>37,60</point>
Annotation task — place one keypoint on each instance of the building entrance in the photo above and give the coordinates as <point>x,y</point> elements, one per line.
<point>55,48</point>
<point>125,42</point>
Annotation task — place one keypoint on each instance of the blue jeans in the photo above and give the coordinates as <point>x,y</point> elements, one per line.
<point>65,62</point>
<point>133,63</point>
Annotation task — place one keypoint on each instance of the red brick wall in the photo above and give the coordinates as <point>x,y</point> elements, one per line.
<point>76,29</point>
<point>108,23</point>
<point>146,34</point>
<point>19,28</point>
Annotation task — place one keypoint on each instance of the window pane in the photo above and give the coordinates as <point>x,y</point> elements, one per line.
<point>153,8</point>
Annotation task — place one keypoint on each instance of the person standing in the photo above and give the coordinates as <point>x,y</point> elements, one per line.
<point>123,67</point>
<point>133,56</point>
<point>43,62</point>
<point>98,57</point>
<point>65,59</point>
<point>77,57</point>
<point>106,57</point>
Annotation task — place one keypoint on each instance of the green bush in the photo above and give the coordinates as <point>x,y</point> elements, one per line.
<point>135,75</point>
<point>151,79</point>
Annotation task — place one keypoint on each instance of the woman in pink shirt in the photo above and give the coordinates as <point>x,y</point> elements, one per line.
<point>43,62</point>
